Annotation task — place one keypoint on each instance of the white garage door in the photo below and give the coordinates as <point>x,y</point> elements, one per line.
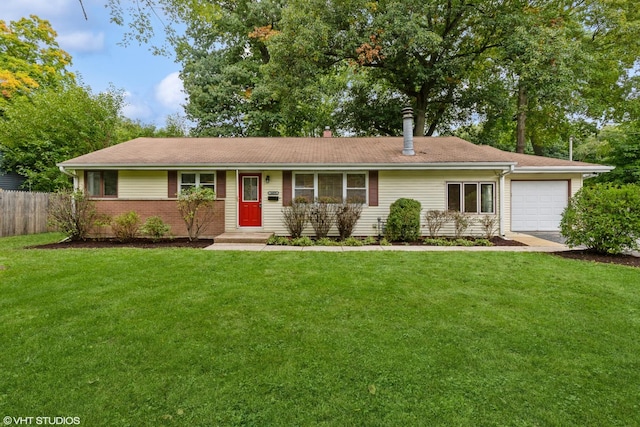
<point>538,205</point>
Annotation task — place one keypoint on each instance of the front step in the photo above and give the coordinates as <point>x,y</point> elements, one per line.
<point>236,237</point>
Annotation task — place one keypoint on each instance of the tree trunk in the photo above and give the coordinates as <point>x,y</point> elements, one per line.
<point>421,112</point>
<point>521,120</point>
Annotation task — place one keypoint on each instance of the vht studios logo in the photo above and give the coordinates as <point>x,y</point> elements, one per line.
<point>41,421</point>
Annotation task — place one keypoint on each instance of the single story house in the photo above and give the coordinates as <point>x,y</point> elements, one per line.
<point>254,178</point>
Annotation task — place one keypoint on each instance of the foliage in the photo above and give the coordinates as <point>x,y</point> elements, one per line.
<point>126,226</point>
<point>155,228</point>
<point>302,241</point>
<point>604,218</point>
<point>347,215</point>
<point>403,222</point>
<point>352,241</point>
<point>296,216</point>
<point>30,58</point>
<point>489,224</point>
<point>278,241</point>
<point>435,219</point>
<point>461,223</point>
<point>196,209</point>
<point>326,241</point>
<point>53,125</point>
<point>72,213</point>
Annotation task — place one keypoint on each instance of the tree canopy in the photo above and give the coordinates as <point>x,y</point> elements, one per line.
<point>531,71</point>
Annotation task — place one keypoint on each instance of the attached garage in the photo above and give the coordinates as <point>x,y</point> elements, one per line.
<point>538,205</point>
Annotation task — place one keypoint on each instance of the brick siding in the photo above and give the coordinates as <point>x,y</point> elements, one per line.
<point>165,209</point>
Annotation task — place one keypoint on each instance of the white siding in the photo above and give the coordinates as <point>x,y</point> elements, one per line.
<point>231,202</point>
<point>142,184</point>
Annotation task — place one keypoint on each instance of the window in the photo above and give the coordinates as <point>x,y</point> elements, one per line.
<point>102,183</point>
<point>339,186</point>
<point>471,197</point>
<point>190,180</point>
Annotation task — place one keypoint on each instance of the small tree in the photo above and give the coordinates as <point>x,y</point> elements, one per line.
<point>295,217</point>
<point>196,209</point>
<point>347,215</point>
<point>72,213</point>
<point>604,218</point>
<point>435,219</point>
<point>322,216</point>
<point>403,223</point>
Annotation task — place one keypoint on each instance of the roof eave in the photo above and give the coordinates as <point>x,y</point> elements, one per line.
<point>563,169</point>
<point>292,166</point>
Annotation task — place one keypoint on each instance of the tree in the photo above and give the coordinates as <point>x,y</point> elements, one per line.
<point>53,125</point>
<point>30,58</point>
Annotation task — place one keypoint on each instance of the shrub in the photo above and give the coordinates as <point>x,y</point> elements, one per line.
<point>403,222</point>
<point>435,220</point>
<point>302,241</point>
<point>347,216</point>
<point>437,242</point>
<point>125,226</point>
<point>196,209</point>
<point>72,213</point>
<point>384,242</point>
<point>295,217</point>
<point>461,222</point>
<point>322,216</point>
<point>278,241</point>
<point>370,240</point>
<point>325,241</point>
<point>489,225</point>
<point>155,228</point>
<point>604,218</point>
<point>352,241</point>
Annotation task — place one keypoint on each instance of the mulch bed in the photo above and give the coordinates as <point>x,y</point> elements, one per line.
<point>136,243</point>
<point>578,254</point>
<point>587,255</point>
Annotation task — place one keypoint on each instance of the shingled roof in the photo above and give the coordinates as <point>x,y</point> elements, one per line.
<point>292,153</point>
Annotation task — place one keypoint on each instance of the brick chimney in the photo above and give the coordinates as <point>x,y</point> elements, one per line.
<point>407,131</point>
<point>327,132</point>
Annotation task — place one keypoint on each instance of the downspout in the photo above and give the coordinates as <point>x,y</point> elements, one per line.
<point>76,182</point>
<point>501,185</point>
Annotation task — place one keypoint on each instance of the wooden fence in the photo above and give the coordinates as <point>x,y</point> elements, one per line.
<point>23,212</point>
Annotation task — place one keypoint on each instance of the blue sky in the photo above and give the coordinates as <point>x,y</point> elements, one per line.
<point>151,83</point>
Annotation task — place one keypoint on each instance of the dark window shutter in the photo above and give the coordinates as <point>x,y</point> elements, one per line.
<point>373,188</point>
<point>172,191</point>
<point>221,184</point>
<point>287,188</point>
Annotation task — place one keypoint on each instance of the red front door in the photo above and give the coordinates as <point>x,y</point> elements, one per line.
<point>250,214</point>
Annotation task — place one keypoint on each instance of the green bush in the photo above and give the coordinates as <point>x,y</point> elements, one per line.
<point>352,241</point>
<point>196,209</point>
<point>604,218</point>
<point>155,228</point>
<point>125,226</point>
<point>403,222</point>
<point>278,241</point>
<point>326,241</point>
<point>302,241</point>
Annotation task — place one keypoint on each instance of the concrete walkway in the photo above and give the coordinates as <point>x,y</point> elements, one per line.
<point>534,244</point>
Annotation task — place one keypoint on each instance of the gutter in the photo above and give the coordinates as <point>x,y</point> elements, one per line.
<point>73,175</point>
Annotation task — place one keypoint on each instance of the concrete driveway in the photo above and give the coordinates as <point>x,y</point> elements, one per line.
<point>552,236</point>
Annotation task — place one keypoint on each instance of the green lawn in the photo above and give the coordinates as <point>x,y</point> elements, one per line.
<point>130,337</point>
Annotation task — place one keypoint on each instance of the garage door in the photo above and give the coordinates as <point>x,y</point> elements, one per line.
<point>538,205</point>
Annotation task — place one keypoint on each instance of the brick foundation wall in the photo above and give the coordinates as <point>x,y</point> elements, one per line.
<point>165,209</point>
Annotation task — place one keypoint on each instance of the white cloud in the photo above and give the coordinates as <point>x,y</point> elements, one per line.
<point>170,92</point>
<point>13,10</point>
<point>135,108</point>
<point>82,42</point>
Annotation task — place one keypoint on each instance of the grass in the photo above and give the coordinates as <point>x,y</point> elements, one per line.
<point>130,337</point>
